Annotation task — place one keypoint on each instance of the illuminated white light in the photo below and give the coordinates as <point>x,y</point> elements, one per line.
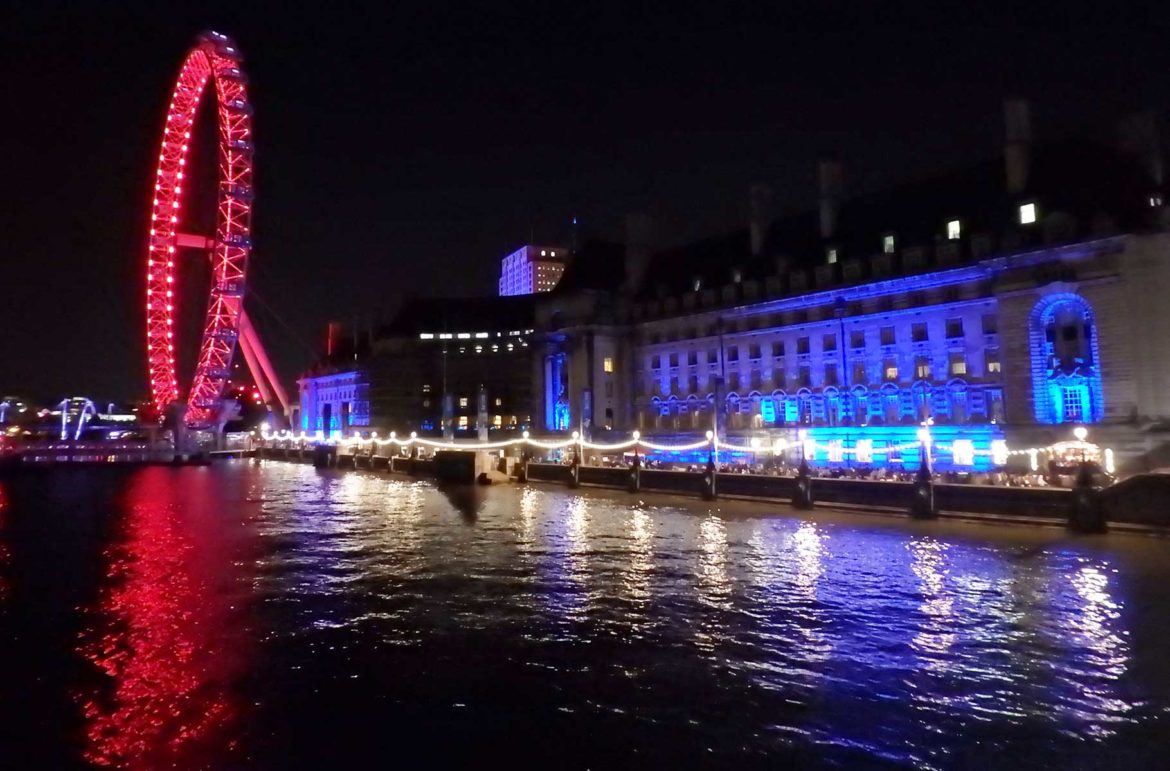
<point>1027,213</point>
<point>1110,467</point>
<point>426,336</point>
<point>1081,433</point>
<point>710,435</point>
<point>954,230</point>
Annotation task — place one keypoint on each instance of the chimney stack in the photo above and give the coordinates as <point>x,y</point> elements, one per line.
<point>829,176</point>
<point>1138,136</point>
<point>760,216</point>
<point>640,243</point>
<point>1017,151</point>
<point>332,338</point>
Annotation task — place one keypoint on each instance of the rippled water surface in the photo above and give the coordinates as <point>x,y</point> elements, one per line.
<point>275,616</point>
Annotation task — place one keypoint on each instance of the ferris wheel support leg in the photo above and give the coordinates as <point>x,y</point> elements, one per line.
<point>262,369</point>
<point>254,368</point>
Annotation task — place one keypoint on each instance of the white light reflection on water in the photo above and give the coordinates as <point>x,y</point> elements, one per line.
<point>1103,651</point>
<point>637,574</point>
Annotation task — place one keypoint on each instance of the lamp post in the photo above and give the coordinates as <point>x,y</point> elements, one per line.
<point>1087,515</point>
<point>708,488</point>
<point>635,478</point>
<point>923,505</point>
<point>803,498</point>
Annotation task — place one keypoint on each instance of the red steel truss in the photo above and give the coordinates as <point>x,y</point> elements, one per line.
<point>216,58</point>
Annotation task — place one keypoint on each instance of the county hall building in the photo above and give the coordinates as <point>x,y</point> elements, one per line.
<point>1008,301</point>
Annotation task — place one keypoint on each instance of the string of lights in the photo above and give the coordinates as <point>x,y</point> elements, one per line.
<point>835,451</point>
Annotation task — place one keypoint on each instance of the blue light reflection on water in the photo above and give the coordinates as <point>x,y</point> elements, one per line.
<point>589,628</point>
<point>868,643</point>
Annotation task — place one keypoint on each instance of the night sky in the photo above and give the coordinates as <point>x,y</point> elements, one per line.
<point>407,148</point>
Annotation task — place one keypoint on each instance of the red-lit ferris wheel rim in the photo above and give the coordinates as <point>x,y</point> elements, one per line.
<point>214,58</point>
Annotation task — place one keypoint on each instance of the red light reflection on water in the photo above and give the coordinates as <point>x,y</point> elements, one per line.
<point>166,632</point>
<point>4,553</point>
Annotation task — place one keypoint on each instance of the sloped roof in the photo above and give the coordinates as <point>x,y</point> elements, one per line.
<point>1081,179</point>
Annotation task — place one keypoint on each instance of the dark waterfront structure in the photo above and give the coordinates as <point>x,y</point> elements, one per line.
<point>998,303</point>
<point>423,371</point>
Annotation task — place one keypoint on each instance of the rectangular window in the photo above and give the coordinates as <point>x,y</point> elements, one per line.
<point>733,381</point>
<point>756,380</point>
<point>733,353</point>
<point>954,230</point>
<point>778,349</point>
<point>1027,213</point>
<point>804,376</point>
<point>958,365</point>
<point>857,338</point>
<point>859,376</point>
<point>990,324</point>
<point>462,401</point>
<point>954,328</point>
<point>890,368</point>
<point>754,351</point>
<point>607,364</point>
<point>692,358</point>
<point>830,374</point>
<point>463,421</point>
<point>888,244</point>
<point>992,361</point>
<point>802,345</point>
<point>829,343</point>
<point>922,367</point>
<point>499,401</point>
<point>831,256</point>
<point>655,361</point>
<point>918,332</point>
<point>887,335</point>
<point>674,359</point>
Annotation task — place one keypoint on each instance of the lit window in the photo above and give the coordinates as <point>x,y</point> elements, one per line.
<point>891,371</point>
<point>607,364</point>
<point>831,257</point>
<point>698,284</point>
<point>888,244</point>
<point>954,230</point>
<point>993,365</point>
<point>543,252</point>
<point>1027,213</point>
<point>1155,200</point>
<point>737,275</point>
<point>463,421</point>
<point>958,365</point>
<point>462,401</point>
<point>963,452</point>
<point>426,336</point>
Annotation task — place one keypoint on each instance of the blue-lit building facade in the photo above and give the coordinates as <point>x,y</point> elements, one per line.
<point>1001,305</point>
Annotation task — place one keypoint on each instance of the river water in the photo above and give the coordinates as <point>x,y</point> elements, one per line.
<point>270,615</point>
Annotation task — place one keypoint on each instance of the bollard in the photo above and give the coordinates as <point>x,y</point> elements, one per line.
<point>707,492</point>
<point>522,468</point>
<point>922,505</point>
<point>575,473</point>
<point>634,479</point>
<point>803,497</point>
<point>324,456</point>
<point>1086,515</point>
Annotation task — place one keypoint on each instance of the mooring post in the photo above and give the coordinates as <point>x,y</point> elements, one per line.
<point>708,491</point>
<point>1086,515</point>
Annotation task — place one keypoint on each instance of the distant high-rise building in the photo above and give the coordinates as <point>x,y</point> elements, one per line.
<point>531,269</point>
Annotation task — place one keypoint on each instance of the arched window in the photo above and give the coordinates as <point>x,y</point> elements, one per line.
<point>1066,375</point>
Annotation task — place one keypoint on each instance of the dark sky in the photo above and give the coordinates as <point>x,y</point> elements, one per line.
<point>409,147</point>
